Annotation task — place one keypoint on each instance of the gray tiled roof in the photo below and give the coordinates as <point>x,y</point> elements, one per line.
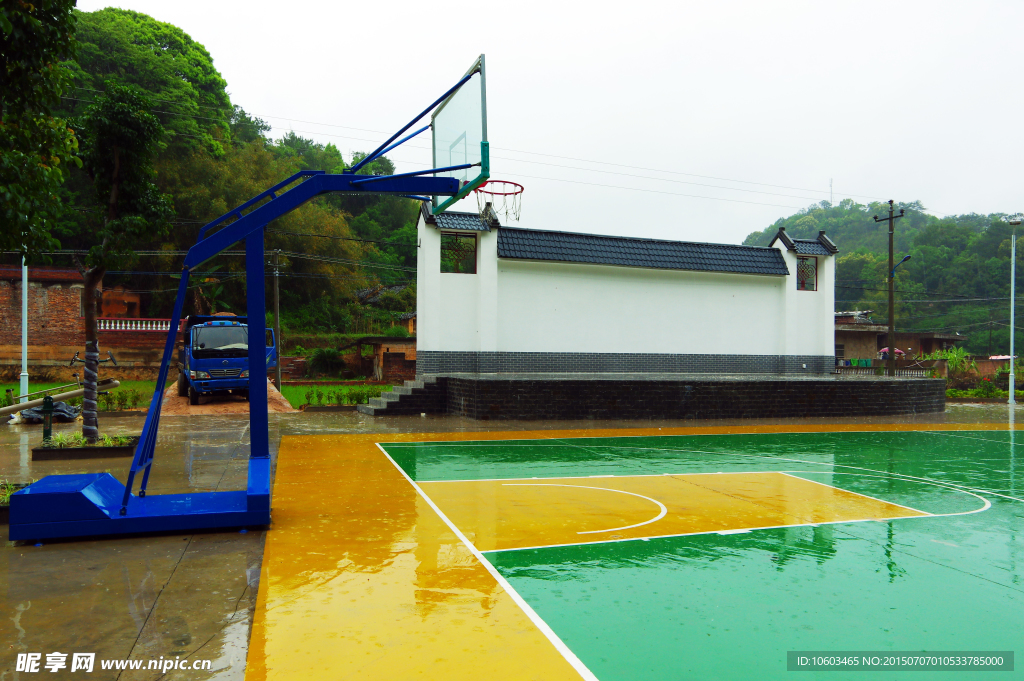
<point>809,247</point>
<point>469,222</point>
<point>529,244</point>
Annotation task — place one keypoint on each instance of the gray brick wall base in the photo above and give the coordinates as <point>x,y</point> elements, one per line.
<point>667,398</point>
<point>445,363</point>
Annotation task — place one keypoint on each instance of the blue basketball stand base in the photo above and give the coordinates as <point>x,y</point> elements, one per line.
<point>89,504</point>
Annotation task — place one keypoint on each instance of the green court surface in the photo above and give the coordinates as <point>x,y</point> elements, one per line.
<point>729,604</point>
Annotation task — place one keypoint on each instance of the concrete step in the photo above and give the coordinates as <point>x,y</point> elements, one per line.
<point>367,409</point>
<point>413,398</point>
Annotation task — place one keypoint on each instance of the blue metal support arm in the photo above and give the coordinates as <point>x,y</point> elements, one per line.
<point>272,193</point>
<point>399,143</point>
<point>298,195</point>
<point>379,150</point>
<point>418,173</point>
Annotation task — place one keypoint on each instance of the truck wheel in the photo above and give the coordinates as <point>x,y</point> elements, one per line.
<point>182,385</point>
<point>193,396</point>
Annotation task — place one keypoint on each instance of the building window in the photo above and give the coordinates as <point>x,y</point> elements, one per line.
<point>840,352</point>
<point>458,253</point>
<point>806,274</point>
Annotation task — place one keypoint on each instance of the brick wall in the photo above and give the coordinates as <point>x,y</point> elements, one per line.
<point>397,368</point>
<point>857,344</point>
<point>680,399</point>
<point>54,314</point>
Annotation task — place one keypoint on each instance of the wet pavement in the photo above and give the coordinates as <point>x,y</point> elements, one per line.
<point>192,596</point>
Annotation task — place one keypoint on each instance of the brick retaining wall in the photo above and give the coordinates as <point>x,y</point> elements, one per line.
<point>530,399</point>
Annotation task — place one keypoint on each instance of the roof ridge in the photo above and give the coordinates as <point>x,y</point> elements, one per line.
<point>635,238</point>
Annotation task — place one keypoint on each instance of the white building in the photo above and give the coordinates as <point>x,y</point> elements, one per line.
<point>494,299</point>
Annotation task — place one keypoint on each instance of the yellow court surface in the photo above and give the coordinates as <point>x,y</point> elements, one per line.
<point>515,514</point>
<point>361,579</point>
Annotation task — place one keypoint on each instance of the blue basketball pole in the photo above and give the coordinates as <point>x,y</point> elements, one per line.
<point>96,504</point>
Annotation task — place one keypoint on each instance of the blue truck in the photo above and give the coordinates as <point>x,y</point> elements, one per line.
<point>214,357</point>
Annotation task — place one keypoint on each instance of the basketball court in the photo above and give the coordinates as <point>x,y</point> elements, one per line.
<point>636,554</point>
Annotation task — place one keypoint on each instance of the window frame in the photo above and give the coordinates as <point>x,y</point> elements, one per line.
<point>813,259</point>
<point>460,236</point>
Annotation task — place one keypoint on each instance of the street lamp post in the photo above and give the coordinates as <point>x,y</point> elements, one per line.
<point>1014,220</point>
<point>23,384</point>
<point>892,318</point>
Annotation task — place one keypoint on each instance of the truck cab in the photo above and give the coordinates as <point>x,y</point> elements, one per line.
<point>214,357</point>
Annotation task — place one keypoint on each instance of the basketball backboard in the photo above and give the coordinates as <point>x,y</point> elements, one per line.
<point>459,129</point>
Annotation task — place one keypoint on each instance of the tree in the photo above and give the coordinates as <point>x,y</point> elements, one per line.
<point>119,139</point>
<point>163,61</point>
<point>34,39</point>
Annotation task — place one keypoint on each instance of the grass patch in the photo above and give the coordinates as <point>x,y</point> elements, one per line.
<point>321,395</point>
<point>983,393</point>
<point>65,440</point>
<point>144,388</point>
<point>7,488</point>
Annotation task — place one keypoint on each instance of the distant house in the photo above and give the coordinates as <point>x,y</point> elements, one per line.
<point>494,299</point>
<point>858,336</point>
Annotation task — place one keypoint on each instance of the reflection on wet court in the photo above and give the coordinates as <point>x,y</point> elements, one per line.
<point>640,556</point>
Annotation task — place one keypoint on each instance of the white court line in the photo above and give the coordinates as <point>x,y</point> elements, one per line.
<point>986,503</point>
<point>587,477</point>
<point>603,489</point>
<point>686,534</point>
<point>903,476</point>
<point>560,646</point>
<point>498,443</point>
<point>866,496</point>
<point>899,476</point>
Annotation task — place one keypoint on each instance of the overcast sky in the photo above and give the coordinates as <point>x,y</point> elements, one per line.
<point>692,121</point>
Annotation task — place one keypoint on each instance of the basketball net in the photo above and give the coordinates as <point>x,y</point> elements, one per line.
<point>499,197</point>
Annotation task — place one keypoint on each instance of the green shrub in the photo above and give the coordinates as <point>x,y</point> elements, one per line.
<point>986,388</point>
<point>7,488</point>
<point>106,402</point>
<point>357,394</point>
<point>325,361</point>
<point>396,332</point>
<point>309,396</point>
<point>122,398</point>
<point>319,397</point>
<point>134,397</point>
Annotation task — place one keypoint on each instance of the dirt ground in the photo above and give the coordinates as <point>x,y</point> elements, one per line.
<point>227,404</point>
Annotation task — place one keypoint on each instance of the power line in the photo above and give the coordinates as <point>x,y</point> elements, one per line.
<point>341,238</point>
<point>520,151</point>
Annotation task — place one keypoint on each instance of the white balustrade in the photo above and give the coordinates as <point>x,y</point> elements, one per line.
<point>123,324</point>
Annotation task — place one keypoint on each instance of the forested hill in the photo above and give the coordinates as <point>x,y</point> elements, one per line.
<point>213,156</point>
<point>957,280</point>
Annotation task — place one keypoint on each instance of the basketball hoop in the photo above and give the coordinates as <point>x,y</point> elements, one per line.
<point>499,196</point>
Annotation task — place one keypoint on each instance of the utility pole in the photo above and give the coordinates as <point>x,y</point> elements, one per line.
<point>277,323</point>
<point>891,362</point>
